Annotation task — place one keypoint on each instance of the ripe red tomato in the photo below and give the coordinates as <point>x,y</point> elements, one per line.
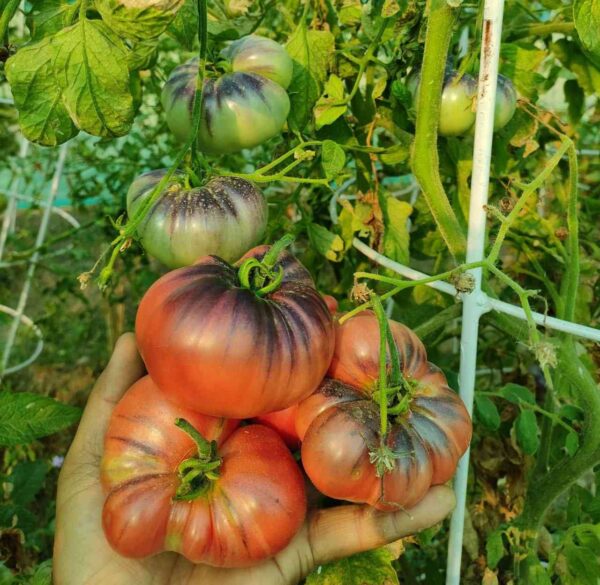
<point>331,303</point>
<point>236,513</point>
<point>340,423</point>
<point>284,422</point>
<point>212,345</point>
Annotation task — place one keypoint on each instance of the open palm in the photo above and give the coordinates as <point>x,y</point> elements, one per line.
<point>83,556</point>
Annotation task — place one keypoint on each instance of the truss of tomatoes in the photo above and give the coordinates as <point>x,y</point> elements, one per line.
<point>339,425</point>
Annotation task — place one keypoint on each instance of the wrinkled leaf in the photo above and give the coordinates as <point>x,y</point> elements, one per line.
<point>311,52</point>
<point>49,16</point>
<point>90,67</point>
<point>570,55</point>
<point>368,568</point>
<point>330,105</point>
<point>184,28</point>
<point>25,417</point>
<point>43,117</point>
<point>527,432</point>
<point>333,158</point>
<point>325,242</point>
<point>138,19</point>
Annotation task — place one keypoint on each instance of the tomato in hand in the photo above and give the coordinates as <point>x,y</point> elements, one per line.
<point>241,109</point>
<point>201,488</point>
<point>237,341</point>
<point>343,451</point>
<point>225,217</point>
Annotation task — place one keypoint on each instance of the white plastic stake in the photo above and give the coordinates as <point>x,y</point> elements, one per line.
<point>474,304</point>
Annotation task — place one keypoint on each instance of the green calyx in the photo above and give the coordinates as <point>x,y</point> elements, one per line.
<point>263,276</point>
<point>197,473</point>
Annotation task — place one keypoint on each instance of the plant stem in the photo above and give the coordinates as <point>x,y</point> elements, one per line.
<point>545,489</point>
<point>6,17</point>
<point>383,329</point>
<point>425,158</point>
<point>542,29</point>
<point>528,190</point>
<point>570,283</point>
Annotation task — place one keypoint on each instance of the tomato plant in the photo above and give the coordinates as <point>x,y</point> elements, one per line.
<point>345,452</point>
<point>186,482</point>
<point>224,217</point>
<point>197,329</point>
<point>240,109</point>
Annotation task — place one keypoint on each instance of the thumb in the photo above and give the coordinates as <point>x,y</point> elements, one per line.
<point>124,368</point>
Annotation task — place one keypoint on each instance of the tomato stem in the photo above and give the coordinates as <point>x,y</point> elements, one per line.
<point>196,473</point>
<point>258,275</point>
<point>383,339</point>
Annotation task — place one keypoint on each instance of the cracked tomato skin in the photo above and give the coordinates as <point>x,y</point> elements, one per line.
<point>246,515</point>
<point>225,217</point>
<point>339,424</point>
<point>216,347</point>
<point>241,109</point>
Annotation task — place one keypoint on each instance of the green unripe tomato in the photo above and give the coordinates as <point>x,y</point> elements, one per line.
<point>241,109</point>
<point>226,217</point>
<point>506,102</point>
<point>263,56</point>
<point>457,111</point>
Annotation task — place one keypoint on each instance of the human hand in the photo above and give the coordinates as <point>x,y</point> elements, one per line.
<point>83,556</point>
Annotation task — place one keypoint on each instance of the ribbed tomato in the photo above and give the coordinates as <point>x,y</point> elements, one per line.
<point>213,498</point>
<point>225,217</point>
<point>235,346</point>
<point>429,426</point>
<point>240,109</point>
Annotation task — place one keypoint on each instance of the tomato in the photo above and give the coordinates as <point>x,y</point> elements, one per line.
<point>284,422</point>
<point>224,217</point>
<point>457,108</point>
<point>234,513</point>
<point>263,56</point>
<point>506,102</point>
<point>231,348</point>
<point>340,423</point>
<point>241,109</point>
<point>331,303</point>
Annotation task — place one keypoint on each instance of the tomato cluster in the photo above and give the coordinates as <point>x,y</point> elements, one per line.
<point>245,361</point>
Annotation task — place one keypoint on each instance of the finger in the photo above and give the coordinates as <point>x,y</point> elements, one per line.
<point>124,368</point>
<point>339,532</point>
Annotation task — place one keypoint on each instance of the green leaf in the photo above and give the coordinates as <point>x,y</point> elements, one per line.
<point>521,63</point>
<point>532,571</point>
<point>330,107</point>
<point>527,432</point>
<point>6,575</point>
<point>586,15</point>
<point>570,55</point>
<point>137,20</point>
<point>27,479</point>
<point>43,574</point>
<point>43,117</point>
<point>487,412</point>
<point>12,516</point>
<point>575,98</point>
<point>184,28</point>
<point>325,242</point>
<point>572,443</point>
<point>49,16</point>
<point>25,417</point>
<point>311,52</point>
<point>91,68</point>
<point>368,568</point>
<point>396,237</point>
<point>333,158</point>
<point>516,393</point>
<point>582,566</point>
<point>494,549</point>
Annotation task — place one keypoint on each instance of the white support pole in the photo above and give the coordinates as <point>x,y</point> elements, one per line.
<point>41,236</point>
<point>474,304</point>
